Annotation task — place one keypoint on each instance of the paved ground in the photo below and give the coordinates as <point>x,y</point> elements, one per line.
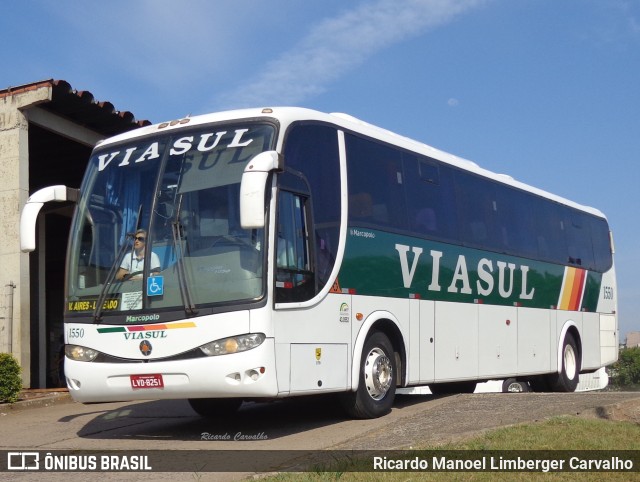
<point>49,421</point>
<point>463,416</point>
<point>449,418</point>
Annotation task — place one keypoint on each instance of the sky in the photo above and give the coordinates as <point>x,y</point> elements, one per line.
<point>547,91</point>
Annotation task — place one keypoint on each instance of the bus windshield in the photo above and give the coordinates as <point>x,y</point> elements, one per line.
<point>157,225</point>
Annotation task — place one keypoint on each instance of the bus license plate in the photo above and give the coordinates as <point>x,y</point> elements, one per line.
<point>146,381</point>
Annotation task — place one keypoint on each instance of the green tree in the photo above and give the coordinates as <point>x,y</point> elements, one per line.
<point>626,371</point>
<point>10,381</point>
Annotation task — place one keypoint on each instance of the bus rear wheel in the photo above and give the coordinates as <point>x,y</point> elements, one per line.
<point>215,407</point>
<point>377,386</point>
<point>569,376</point>
<point>513,385</point>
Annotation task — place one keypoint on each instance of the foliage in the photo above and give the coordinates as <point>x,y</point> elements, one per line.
<point>556,434</point>
<point>626,371</point>
<point>10,380</point>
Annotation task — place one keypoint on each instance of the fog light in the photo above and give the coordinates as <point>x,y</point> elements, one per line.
<point>73,384</point>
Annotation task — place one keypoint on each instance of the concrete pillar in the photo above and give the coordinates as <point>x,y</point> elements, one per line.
<point>14,191</point>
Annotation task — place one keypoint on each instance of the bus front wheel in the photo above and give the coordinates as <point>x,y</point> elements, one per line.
<point>377,386</point>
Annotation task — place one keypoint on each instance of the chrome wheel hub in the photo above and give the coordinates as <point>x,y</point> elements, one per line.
<point>378,374</point>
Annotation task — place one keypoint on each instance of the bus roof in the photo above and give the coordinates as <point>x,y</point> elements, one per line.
<point>289,115</point>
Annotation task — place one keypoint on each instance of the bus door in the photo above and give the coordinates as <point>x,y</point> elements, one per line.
<point>314,336</point>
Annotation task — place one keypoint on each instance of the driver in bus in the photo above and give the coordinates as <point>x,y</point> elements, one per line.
<point>132,265</point>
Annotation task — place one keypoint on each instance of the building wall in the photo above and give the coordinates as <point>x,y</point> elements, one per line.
<point>633,339</point>
<point>14,191</point>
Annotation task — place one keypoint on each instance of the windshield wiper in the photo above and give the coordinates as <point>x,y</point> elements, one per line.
<point>97,313</point>
<point>185,291</point>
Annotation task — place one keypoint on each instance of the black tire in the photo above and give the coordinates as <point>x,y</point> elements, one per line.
<point>512,385</point>
<point>539,384</point>
<point>569,376</point>
<point>378,375</point>
<point>215,407</point>
<point>453,387</point>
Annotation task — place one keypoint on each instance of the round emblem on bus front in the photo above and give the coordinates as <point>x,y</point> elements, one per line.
<point>145,348</point>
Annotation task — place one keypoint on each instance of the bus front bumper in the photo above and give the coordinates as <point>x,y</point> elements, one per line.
<point>249,374</point>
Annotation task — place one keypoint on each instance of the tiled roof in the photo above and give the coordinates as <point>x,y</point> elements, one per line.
<point>81,107</point>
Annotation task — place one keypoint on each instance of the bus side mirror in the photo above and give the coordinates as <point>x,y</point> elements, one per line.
<point>253,188</point>
<point>32,208</point>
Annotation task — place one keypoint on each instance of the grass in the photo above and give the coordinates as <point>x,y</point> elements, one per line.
<point>561,433</point>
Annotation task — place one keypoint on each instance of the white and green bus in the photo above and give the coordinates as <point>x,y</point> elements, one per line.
<point>291,252</point>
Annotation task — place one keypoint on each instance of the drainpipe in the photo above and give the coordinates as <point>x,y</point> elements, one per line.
<point>9,309</point>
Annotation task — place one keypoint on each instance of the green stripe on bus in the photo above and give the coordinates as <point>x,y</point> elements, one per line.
<point>377,263</point>
<point>117,329</point>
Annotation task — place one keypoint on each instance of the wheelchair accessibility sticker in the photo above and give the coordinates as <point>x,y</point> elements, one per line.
<point>155,285</point>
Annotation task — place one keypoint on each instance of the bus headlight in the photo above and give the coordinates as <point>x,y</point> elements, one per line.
<point>233,344</point>
<point>80,353</point>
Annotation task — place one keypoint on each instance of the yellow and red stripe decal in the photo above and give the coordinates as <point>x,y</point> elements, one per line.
<point>173,326</point>
<point>572,290</point>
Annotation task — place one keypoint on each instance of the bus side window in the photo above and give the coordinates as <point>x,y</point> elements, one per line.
<point>602,244</point>
<point>579,242</point>
<point>295,279</point>
<point>312,151</point>
<point>376,184</point>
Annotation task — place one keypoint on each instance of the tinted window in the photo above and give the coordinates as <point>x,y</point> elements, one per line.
<point>478,212</point>
<point>516,229</point>
<point>376,184</point>
<point>430,198</point>
<point>313,167</point>
<point>450,204</point>
<point>294,273</point>
<point>580,247</point>
<point>601,244</point>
